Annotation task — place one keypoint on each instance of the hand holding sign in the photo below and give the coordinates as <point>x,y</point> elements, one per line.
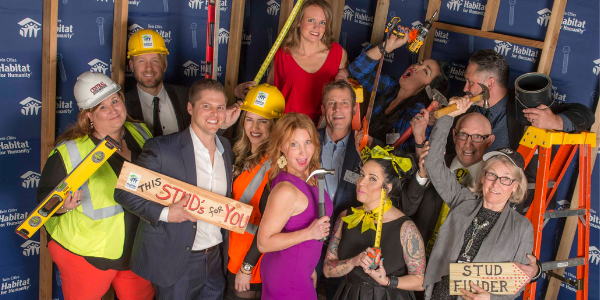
<point>178,214</point>
<point>480,294</point>
<point>493,278</point>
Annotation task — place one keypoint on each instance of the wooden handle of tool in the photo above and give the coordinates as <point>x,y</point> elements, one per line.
<point>409,131</point>
<point>452,108</point>
<point>365,138</point>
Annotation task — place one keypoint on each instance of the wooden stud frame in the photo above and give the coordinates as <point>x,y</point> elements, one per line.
<point>49,29</point>
<point>119,46</point>
<point>233,50</point>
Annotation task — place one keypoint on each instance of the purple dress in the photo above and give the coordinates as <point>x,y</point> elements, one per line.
<point>286,274</point>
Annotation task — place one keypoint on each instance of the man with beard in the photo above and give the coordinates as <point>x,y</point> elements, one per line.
<point>161,106</point>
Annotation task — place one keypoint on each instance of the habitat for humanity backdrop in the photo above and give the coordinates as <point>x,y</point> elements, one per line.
<point>85,43</point>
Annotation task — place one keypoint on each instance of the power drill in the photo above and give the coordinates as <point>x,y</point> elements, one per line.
<point>416,37</point>
<point>416,44</point>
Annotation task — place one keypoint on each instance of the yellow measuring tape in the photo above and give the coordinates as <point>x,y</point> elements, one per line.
<point>380,219</point>
<point>280,37</point>
<point>72,182</point>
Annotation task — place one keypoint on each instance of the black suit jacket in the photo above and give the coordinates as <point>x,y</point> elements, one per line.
<point>179,99</point>
<point>428,203</point>
<point>161,250</point>
<point>345,195</point>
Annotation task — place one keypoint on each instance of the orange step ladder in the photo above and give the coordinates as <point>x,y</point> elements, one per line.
<point>549,174</point>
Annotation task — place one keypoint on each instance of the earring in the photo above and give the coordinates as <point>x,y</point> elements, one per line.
<point>92,124</point>
<point>282,162</point>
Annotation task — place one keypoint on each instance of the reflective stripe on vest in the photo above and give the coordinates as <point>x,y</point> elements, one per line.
<point>139,132</point>
<point>251,190</point>
<point>86,197</point>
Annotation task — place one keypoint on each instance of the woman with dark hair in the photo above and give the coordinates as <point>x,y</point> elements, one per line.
<point>251,173</point>
<point>290,228</point>
<point>401,244</point>
<point>306,61</point>
<point>399,100</point>
<point>91,235</point>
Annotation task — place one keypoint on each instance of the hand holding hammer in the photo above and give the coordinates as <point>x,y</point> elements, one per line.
<point>483,96</point>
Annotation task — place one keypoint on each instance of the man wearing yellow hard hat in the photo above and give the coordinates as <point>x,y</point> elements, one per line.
<point>162,106</point>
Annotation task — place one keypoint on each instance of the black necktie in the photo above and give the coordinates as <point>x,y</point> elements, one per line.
<point>157,126</point>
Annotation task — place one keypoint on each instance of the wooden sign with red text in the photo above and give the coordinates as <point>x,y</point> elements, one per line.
<point>495,278</point>
<point>203,205</point>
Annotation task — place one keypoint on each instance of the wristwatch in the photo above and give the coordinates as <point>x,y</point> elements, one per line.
<point>247,267</point>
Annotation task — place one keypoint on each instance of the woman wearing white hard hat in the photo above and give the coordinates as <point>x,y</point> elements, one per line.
<point>91,236</point>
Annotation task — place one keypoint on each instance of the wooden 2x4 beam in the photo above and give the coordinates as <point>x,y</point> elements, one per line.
<point>489,35</point>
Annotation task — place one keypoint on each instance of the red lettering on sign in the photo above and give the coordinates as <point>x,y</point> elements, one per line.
<point>244,225</point>
<point>228,211</point>
<point>177,190</point>
<point>201,209</point>
<point>193,201</point>
<point>235,214</point>
<point>166,191</point>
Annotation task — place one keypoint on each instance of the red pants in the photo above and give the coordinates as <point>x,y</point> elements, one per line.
<point>81,280</point>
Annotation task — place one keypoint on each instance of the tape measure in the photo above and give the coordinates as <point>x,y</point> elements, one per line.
<point>72,182</point>
<point>377,256</point>
<point>280,37</point>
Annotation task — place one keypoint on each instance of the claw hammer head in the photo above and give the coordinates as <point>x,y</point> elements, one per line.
<point>320,173</point>
<point>485,95</point>
<point>435,95</point>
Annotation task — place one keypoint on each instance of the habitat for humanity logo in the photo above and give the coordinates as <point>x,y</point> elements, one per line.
<point>273,7</point>
<point>63,107</point>
<point>166,34</point>
<point>440,36</point>
<point>360,16</point>
<point>516,51</point>
<point>594,219</point>
<point>133,29</point>
<point>99,66</point>
<point>190,69</point>
<point>195,4</point>
<point>562,98</point>
<point>594,255</point>
<point>223,36</point>
<point>64,31</point>
<point>30,106</point>
<point>471,7</point>
<point>596,68</point>
<point>14,284</point>
<point>569,22</point>
<point>11,217</point>
<point>457,71</point>
<point>29,28</point>
<point>31,248</point>
<point>134,2</point>
<point>30,180</point>
<point>10,145</point>
<point>348,13</point>
<point>13,69</point>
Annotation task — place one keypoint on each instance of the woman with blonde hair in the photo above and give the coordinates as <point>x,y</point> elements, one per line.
<point>291,228</point>
<point>306,61</point>
<point>91,236</point>
<point>251,173</point>
<point>481,226</point>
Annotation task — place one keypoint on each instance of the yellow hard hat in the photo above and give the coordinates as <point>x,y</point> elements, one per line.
<point>146,41</point>
<point>264,100</point>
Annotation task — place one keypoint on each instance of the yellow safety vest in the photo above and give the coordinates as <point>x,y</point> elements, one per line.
<point>95,228</point>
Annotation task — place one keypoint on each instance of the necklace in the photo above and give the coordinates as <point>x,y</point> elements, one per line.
<point>478,227</point>
<point>119,148</point>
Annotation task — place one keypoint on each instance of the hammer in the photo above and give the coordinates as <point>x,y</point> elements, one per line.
<point>484,95</point>
<point>320,173</point>
<point>435,103</point>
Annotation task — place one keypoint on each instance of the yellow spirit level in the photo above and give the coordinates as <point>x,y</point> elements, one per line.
<point>72,182</point>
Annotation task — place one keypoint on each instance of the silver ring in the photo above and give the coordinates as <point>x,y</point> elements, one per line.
<point>78,201</point>
<point>419,117</point>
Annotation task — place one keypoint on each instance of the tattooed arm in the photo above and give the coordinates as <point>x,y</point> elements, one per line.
<point>333,267</point>
<point>414,257</point>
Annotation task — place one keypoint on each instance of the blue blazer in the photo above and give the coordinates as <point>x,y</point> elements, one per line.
<point>161,250</point>
<point>345,196</point>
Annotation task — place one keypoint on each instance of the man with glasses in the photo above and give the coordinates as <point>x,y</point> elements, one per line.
<point>472,138</point>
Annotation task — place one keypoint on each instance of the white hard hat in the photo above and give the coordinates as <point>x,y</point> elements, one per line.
<point>92,88</point>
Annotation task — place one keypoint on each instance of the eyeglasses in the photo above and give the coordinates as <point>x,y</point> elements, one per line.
<point>475,138</point>
<point>503,180</point>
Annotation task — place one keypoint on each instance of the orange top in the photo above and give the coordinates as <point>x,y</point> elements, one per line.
<point>239,244</point>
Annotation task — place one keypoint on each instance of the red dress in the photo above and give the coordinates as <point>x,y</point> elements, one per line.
<point>302,90</point>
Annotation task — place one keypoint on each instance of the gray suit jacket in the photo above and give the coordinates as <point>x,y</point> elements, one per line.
<point>161,250</point>
<point>509,240</point>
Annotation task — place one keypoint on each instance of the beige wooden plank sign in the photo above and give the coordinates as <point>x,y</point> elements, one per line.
<point>202,205</point>
<point>495,278</point>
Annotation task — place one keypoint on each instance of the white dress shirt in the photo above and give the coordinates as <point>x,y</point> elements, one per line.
<point>166,112</point>
<point>210,177</point>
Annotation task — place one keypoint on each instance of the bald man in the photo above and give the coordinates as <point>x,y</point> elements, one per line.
<point>472,137</point>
